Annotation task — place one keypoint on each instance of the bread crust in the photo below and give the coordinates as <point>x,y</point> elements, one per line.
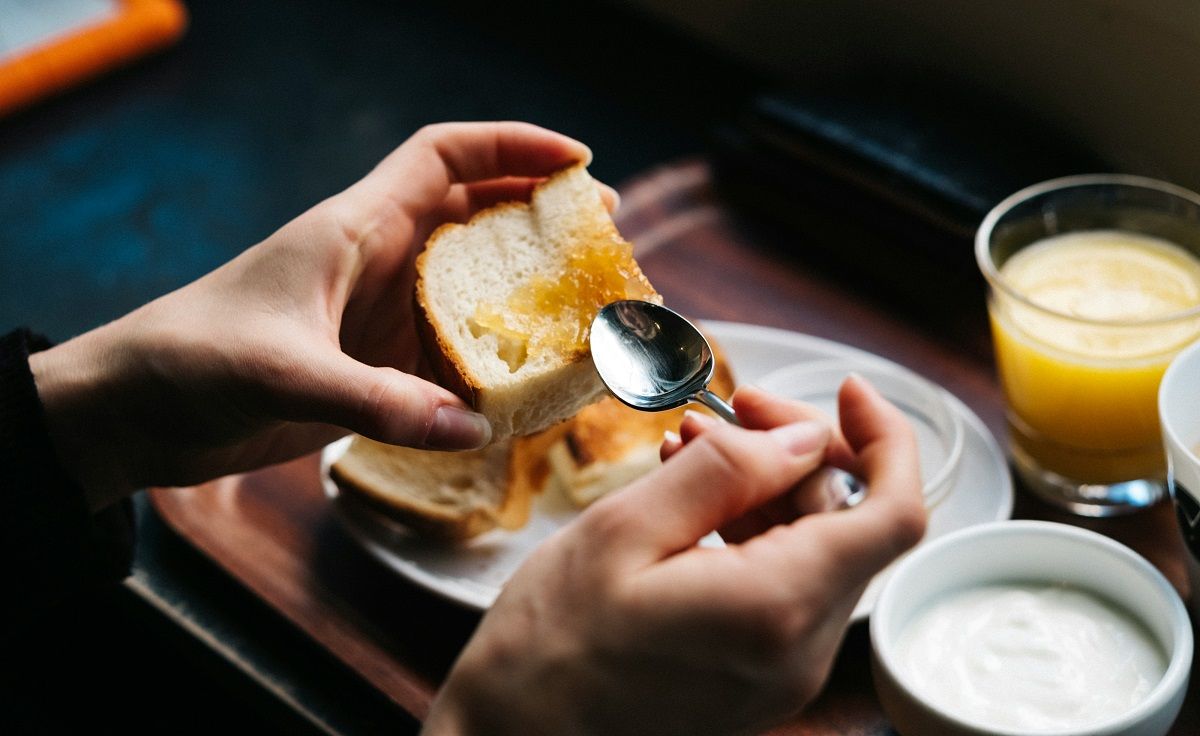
<point>376,476</point>
<point>425,519</point>
<point>447,365</point>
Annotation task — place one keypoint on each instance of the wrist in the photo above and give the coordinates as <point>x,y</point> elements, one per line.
<point>73,381</point>
<point>443,720</point>
<point>487,692</point>
<point>455,710</point>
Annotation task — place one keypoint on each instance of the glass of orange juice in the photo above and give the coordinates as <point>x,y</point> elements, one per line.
<point>1094,286</point>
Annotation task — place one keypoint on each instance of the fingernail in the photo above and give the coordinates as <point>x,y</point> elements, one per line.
<point>671,444</point>
<point>671,441</point>
<point>458,429</point>
<point>587,157</point>
<point>703,420</point>
<point>862,382</point>
<point>801,438</point>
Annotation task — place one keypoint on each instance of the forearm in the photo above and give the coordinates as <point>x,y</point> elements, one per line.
<point>443,722</point>
<point>52,544</point>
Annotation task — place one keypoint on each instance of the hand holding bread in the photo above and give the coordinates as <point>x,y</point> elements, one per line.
<point>302,337</point>
<point>505,303</point>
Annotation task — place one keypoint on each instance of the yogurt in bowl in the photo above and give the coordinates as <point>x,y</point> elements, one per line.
<point>1033,657</point>
<point>1029,628</point>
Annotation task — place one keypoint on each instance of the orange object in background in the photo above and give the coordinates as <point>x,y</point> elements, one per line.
<point>130,29</point>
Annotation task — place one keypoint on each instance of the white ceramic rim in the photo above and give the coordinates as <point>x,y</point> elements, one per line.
<point>935,488</point>
<point>983,236</point>
<point>1178,667</point>
<point>1168,427</point>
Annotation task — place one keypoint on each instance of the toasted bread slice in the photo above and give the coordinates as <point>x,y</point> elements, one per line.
<point>450,496</point>
<point>608,445</point>
<point>508,300</point>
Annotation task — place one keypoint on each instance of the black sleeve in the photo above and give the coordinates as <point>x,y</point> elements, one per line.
<point>50,545</point>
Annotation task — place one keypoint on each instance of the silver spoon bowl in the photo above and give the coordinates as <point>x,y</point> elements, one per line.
<point>652,359</point>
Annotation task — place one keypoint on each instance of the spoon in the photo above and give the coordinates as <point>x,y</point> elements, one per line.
<point>652,359</point>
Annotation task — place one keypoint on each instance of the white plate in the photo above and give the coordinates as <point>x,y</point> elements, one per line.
<point>472,574</point>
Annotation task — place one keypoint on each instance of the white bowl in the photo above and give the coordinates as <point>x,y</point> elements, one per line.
<point>940,433</point>
<point>1179,413</point>
<point>1033,552</point>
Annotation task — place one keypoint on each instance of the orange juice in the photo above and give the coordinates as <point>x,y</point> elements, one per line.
<point>1081,350</point>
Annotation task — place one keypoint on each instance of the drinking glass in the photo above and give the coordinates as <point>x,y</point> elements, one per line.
<point>1081,392</point>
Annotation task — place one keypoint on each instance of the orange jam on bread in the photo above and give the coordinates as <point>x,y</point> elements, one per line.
<point>553,311</point>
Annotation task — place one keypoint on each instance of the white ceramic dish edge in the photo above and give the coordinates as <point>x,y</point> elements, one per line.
<point>926,571</point>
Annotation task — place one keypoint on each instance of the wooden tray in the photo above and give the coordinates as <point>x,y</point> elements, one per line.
<point>274,530</point>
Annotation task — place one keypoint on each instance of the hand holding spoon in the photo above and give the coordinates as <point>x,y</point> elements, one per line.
<point>652,359</point>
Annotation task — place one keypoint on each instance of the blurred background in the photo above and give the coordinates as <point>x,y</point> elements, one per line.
<point>1115,78</point>
<point>142,179</point>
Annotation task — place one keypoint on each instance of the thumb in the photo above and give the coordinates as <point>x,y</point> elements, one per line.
<point>714,479</point>
<point>387,405</point>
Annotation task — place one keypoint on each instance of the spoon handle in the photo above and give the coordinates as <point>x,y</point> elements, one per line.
<point>719,406</point>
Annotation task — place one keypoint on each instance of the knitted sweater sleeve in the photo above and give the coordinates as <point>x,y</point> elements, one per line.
<point>52,546</point>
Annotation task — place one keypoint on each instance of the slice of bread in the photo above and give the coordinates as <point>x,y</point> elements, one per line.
<point>606,445</point>
<point>509,297</point>
<point>449,496</point>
